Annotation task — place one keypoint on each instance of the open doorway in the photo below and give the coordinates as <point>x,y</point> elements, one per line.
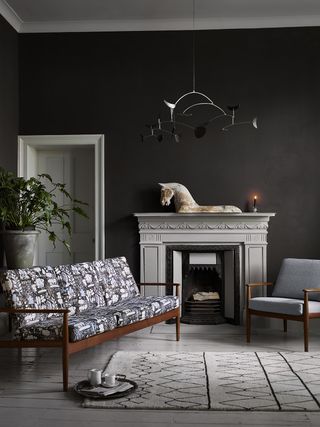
<point>77,161</point>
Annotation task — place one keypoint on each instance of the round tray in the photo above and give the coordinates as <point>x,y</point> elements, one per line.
<point>80,386</point>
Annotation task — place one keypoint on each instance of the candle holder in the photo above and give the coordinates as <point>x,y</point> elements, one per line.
<point>255,209</point>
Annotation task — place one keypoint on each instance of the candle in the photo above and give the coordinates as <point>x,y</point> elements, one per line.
<point>254,201</point>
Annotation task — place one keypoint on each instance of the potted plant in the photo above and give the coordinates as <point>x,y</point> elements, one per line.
<point>28,207</point>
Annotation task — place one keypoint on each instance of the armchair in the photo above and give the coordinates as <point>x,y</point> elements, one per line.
<point>295,296</point>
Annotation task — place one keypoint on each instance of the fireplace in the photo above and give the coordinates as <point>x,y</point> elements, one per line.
<point>239,241</point>
<point>209,275</point>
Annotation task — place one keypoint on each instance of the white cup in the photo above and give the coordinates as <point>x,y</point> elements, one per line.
<point>94,376</point>
<point>110,380</point>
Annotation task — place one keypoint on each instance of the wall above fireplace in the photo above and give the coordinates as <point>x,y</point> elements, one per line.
<point>248,231</point>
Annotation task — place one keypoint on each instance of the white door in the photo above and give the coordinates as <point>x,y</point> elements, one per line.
<point>79,161</point>
<point>75,168</point>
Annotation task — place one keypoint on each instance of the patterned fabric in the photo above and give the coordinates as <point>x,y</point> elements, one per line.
<point>35,287</point>
<point>81,326</point>
<point>140,308</point>
<point>116,280</point>
<point>98,320</point>
<point>79,287</point>
<point>100,295</point>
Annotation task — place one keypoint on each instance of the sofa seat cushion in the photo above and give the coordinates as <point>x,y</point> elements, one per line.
<point>141,308</point>
<point>81,326</point>
<point>79,285</point>
<point>35,287</point>
<point>289,306</point>
<point>115,280</point>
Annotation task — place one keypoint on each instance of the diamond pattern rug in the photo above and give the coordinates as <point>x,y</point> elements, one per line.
<point>262,381</point>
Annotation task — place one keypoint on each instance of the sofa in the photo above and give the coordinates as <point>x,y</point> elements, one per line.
<point>80,305</point>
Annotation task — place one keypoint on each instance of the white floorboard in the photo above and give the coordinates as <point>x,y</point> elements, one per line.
<point>30,380</point>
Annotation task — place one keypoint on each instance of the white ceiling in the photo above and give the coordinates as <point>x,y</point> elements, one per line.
<point>142,15</point>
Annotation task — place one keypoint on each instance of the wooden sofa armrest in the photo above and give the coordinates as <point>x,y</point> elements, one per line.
<point>176,285</point>
<point>33,310</point>
<point>159,284</point>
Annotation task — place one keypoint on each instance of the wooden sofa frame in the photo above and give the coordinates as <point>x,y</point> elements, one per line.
<point>73,347</point>
<point>304,317</point>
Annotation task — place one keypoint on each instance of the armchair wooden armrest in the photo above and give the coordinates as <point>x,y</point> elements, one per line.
<point>311,290</point>
<point>258,284</point>
<point>250,286</point>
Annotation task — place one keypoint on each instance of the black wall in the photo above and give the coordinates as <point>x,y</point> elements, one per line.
<point>9,108</point>
<point>114,83</point>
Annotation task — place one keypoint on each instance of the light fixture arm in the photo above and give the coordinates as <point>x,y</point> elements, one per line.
<point>199,130</point>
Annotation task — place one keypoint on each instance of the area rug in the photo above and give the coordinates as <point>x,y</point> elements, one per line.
<point>262,381</point>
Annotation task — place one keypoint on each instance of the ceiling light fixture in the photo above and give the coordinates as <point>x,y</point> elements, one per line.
<point>183,110</point>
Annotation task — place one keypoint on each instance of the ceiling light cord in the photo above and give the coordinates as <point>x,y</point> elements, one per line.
<point>193,48</point>
<point>198,99</point>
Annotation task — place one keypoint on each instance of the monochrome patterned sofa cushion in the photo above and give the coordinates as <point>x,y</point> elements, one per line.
<point>35,287</point>
<point>79,287</point>
<point>115,280</point>
<point>101,319</point>
<point>83,325</point>
<point>296,275</point>
<point>140,308</point>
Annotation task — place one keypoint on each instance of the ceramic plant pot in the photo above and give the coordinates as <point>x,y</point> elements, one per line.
<point>19,247</point>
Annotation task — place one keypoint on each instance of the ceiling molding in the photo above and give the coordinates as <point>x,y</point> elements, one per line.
<point>168,25</point>
<point>10,15</point>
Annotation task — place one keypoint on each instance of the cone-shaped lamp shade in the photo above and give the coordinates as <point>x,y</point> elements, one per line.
<point>255,123</point>
<point>200,131</point>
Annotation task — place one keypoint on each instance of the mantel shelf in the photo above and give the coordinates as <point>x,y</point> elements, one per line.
<point>204,214</point>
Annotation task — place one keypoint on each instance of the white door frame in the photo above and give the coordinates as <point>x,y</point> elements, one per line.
<point>28,144</point>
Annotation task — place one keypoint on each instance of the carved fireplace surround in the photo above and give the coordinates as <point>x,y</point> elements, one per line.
<point>163,233</point>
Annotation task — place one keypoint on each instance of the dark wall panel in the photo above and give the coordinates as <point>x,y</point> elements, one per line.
<point>9,103</point>
<point>114,83</point>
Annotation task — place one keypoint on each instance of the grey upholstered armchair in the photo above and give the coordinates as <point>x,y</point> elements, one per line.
<point>295,296</point>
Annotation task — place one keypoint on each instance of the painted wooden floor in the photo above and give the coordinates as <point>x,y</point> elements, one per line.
<point>30,380</point>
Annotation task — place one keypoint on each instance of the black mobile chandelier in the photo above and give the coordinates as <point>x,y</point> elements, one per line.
<point>189,105</point>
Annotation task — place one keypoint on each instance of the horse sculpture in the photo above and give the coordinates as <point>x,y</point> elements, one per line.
<point>184,202</point>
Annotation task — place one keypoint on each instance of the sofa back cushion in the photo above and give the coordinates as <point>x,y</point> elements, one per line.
<point>35,287</point>
<point>296,275</point>
<point>79,286</point>
<point>116,280</point>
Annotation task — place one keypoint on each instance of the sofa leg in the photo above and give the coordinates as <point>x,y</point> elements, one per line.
<point>65,367</point>
<point>248,326</point>
<point>178,328</point>
<point>65,352</point>
<point>306,333</point>
<point>285,325</point>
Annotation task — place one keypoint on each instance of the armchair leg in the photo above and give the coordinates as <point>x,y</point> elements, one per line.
<point>248,326</point>
<point>285,325</point>
<point>306,333</point>
<point>178,328</point>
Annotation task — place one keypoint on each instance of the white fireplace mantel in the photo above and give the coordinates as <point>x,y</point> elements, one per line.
<point>247,230</point>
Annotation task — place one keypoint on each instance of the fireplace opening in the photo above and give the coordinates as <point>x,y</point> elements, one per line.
<point>210,283</point>
<point>202,288</point>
